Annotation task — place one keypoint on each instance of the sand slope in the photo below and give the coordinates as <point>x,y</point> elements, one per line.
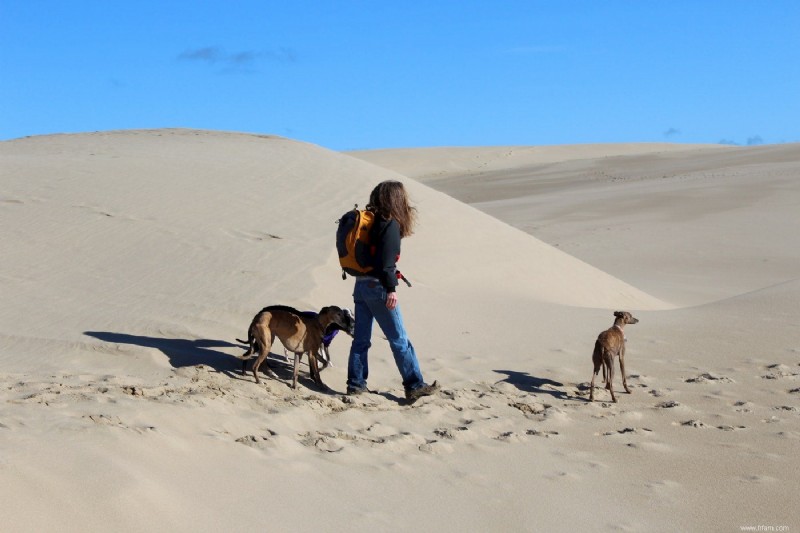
<point>139,256</point>
<point>674,214</point>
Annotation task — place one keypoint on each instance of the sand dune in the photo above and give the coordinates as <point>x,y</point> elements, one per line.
<point>672,213</point>
<point>135,258</point>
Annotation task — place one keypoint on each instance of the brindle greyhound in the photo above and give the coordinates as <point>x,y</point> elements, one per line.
<point>611,343</point>
<point>298,332</point>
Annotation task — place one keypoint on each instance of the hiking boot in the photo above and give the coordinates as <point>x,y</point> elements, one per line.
<point>355,391</point>
<point>412,395</point>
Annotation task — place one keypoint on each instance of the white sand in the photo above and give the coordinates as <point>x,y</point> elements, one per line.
<point>133,259</point>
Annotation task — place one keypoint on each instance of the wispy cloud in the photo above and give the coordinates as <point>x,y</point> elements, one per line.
<point>210,54</point>
<point>236,61</point>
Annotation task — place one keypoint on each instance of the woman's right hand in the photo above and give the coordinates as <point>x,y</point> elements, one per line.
<point>391,300</point>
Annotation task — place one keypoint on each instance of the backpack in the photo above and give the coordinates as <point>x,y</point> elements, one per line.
<point>353,242</point>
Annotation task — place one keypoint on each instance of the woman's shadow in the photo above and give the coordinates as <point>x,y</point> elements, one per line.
<point>181,352</point>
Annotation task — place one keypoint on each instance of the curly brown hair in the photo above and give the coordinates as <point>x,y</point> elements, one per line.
<point>390,200</point>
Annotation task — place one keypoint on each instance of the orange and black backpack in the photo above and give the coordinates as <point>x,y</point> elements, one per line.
<point>353,244</point>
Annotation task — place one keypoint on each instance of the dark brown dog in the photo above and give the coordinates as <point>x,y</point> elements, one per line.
<point>609,344</point>
<point>298,332</point>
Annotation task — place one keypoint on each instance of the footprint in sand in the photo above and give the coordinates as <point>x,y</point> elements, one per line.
<point>727,427</point>
<point>509,436</point>
<point>634,430</point>
<point>694,424</point>
<point>105,420</point>
<point>449,433</point>
<point>702,425</point>
<point>638,380</point>
<point>530,408</point>
<point>539,433</point>
<point>258,441</point>
<point>324,442</point>
<point>779,371</point>
<point>757,479</point>
<point>335,441</point>
<point>666,490</point>
<point>115,421</point>
<point>709,377</point>
<point>435,446</point>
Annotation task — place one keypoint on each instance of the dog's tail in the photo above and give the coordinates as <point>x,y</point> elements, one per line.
<point>252,344</point>
<point>597,358</point>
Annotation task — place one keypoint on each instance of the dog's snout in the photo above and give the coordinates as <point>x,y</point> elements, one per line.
<point>346,322</point>
<point>350,322</point>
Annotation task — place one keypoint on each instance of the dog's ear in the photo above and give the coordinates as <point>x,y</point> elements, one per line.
<point>619,314</point>
<point>323,311</point>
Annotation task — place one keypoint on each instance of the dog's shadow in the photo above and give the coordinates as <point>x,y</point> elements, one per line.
<point>533,385</point>
<point>180,352</point>
<point>193,352</point>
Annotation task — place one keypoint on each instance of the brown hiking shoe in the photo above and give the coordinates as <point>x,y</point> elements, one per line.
<point>412,395</point>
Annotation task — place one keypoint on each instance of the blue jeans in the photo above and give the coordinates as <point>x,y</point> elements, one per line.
<point>369,297</point>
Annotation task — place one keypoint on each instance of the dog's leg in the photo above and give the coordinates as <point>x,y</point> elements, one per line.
<point>259,360</point>
<point>313,367</point>
<point>296,367</point>
<point>254,347</point>
<point>264,346</point>
<point>591,385</point>
<point>622,369</point>
<point>598,362</point>
<point>609,362</point>
<point>325,356</point>
<point>251,341</point>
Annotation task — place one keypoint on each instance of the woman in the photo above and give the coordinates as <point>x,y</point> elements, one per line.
<point>375,295</point>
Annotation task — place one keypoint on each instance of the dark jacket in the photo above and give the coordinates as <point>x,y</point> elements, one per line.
<point>386,236</point>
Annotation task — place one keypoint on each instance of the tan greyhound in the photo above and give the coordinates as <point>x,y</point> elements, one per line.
<point>609,344</point>
<point>298,332</point>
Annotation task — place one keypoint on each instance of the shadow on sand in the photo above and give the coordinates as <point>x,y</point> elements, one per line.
<point>181,352</point>
<point>531,384</point>
<point>192,352</point>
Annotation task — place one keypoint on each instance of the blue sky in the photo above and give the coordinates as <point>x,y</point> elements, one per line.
<point>357,74</point>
